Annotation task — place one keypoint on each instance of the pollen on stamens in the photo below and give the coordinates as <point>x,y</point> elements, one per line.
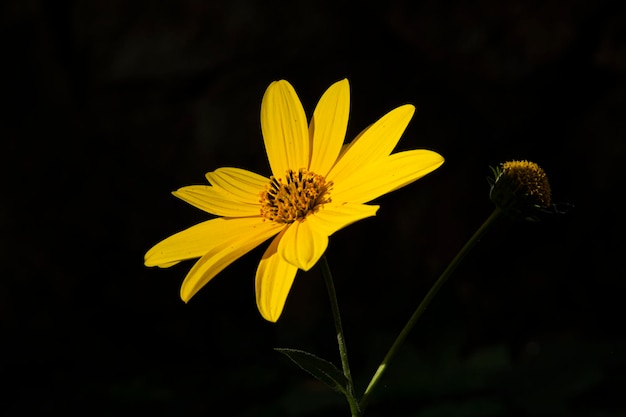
<point>300,193</point>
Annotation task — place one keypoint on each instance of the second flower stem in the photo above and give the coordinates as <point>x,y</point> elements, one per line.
<point>427,299</point>
<point>343,352</point>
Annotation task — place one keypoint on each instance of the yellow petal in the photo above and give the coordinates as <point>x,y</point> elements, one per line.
<point>332,218</point>
<point>273,281</point>
<point>285,130</point>
<point>197,240</point>
<point>391,173</point>
<point>244,185</point>
<point>215,201</point>
<point>375,142</point>
<point>327,129</point>
<point>302,245</point>
<point>225,253</point>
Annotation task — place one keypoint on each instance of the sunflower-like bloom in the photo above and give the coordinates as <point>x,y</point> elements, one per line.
<point>317,187</point>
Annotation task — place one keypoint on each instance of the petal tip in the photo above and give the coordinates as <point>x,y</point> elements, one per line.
<point>409,108</point>
<point>268,317</point>
<point>343,82</point>
<point>186,293</point>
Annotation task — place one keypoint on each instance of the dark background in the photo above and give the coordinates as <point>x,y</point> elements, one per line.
<point>110,105</point>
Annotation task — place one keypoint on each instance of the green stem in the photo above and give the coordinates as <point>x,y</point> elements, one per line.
<point>343,352</point>
<point>427,299</point>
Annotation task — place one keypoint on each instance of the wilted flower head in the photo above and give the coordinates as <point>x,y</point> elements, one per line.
<point>520,189</point>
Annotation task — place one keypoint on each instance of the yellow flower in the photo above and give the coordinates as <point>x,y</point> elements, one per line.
<point>317,187</point>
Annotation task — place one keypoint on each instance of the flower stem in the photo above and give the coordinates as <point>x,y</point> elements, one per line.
<point>343,353</point>
<point>424,304</point>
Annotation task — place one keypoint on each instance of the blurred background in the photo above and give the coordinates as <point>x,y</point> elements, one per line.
<point>111,105</point>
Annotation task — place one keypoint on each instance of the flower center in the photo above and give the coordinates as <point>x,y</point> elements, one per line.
<point>299,194</point>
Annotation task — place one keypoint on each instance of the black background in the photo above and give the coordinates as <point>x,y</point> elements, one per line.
<point>110,105</point>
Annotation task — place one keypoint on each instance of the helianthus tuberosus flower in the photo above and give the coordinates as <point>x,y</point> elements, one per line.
<point>317,187</point>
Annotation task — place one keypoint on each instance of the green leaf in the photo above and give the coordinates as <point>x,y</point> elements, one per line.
<point>318,367</point>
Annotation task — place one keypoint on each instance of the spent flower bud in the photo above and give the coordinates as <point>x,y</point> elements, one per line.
<point>520,189</point>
